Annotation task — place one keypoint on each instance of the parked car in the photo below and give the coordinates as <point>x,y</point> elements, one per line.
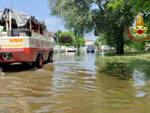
<point>71,49</point>
<point>107,48</point>
<point>90,49</point>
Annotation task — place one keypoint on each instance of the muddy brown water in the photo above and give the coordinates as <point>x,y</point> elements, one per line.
<point>71,85</point>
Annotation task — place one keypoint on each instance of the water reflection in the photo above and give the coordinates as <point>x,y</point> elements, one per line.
<point>139,82</point>
<point>139,79</point>
<point>116,69</point>
<point>74,83</point>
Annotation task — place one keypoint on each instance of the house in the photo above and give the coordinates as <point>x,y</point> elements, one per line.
<point>89,42</point>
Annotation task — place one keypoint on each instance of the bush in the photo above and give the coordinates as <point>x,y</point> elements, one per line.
<point>66,37</point>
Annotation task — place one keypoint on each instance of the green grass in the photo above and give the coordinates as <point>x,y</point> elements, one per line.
<point>123,66</point>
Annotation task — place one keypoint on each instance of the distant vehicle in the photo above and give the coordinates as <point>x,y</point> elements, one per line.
<point>107,48</point>
<point>63,49</point>
<point>90,49</point>
<point>71,49</point>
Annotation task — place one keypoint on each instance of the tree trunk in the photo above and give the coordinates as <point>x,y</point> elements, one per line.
<point>78,48</point>
<point>120,43</point>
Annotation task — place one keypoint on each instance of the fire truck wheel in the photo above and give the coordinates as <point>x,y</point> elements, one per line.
<point>50,57</point>
<point>4,66</point>
<point>39,61</point>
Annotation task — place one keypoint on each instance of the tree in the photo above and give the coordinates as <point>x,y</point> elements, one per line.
<point>101,40</point>
<point>66,37</point>
<point>75,13</point>
<point>79,42</point>
<point>59,32</point>
<point>111,17</point>
<point>141,5</point>
<point>119,16</point>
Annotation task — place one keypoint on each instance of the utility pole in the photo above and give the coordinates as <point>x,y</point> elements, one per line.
<point>57,36</point>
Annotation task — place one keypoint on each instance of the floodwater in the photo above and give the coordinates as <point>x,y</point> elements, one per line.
<point>72,84</point>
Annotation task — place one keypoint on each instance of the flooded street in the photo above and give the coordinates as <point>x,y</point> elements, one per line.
<point>72,84</point>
